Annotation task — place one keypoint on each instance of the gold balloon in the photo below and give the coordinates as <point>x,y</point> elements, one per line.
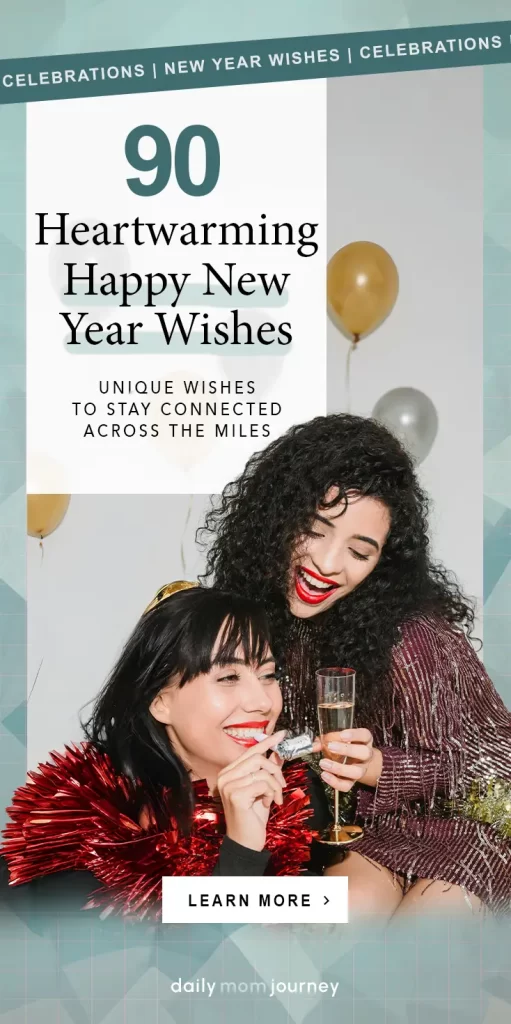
<point>362,287</point>
<point>45,512</point>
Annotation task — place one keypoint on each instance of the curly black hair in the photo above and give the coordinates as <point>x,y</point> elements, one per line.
<point>252,531</point>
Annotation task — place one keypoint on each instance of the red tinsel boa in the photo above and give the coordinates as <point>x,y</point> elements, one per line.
<point>76,814</point>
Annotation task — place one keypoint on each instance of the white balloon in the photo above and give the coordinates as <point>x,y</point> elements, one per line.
<point>411,415</point>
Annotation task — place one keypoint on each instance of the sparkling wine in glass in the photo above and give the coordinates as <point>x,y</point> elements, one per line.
<point>336,706</point>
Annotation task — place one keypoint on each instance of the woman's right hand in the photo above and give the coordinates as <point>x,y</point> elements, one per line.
<point>247,789</point>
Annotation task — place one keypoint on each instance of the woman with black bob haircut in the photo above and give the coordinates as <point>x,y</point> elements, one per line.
<point>177,774</point>
<point>328,528</point>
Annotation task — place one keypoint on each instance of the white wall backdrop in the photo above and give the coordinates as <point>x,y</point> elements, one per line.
<point>405,170</point>
<point>99,571</point>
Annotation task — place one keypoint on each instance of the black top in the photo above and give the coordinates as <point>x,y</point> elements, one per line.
<point>238,860</point>
<point>70,890</point>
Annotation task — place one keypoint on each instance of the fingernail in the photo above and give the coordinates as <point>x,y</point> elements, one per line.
<point>326,777</point>
<point>346,735</point>
<point>336,748</point>
<point>327,764</point>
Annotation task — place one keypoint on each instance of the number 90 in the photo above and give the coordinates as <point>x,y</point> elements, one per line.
<point>161,162</point>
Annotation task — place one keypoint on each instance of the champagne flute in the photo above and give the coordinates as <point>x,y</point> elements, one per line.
<point>336,706</point>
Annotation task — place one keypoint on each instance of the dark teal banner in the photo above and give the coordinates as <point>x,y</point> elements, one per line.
<point>269,60</point>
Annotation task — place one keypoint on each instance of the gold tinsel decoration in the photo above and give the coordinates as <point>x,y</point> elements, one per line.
<point>489,803</point>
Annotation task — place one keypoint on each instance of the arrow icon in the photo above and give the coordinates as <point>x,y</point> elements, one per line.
<point>325,899</point>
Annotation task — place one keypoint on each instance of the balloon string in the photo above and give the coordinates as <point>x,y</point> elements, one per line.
<point>41,545</point>
<point>348,373</point>
<point>35,680</point>
<point>183,536</point>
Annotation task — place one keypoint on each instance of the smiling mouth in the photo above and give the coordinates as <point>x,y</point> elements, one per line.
<point>246,734</point>
<point>311,587</point>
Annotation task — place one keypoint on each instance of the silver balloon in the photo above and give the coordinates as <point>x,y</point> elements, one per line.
<point>410,415</point>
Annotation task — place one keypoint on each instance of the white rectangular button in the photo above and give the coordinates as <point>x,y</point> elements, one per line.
<point>253,900</point>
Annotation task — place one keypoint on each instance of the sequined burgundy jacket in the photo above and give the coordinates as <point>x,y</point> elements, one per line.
<point>445,736</point>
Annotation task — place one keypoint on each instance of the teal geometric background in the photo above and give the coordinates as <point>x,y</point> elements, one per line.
<point>12,451</point>
<point>497,376</point>
<point>62,969</point>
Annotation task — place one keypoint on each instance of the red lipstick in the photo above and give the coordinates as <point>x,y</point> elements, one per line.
<point>307,591</point>
<point>248,725</point>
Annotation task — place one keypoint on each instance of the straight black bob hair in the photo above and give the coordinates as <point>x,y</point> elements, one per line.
<point>178,638</point>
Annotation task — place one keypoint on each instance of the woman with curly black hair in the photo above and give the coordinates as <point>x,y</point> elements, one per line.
<point>328,528</point>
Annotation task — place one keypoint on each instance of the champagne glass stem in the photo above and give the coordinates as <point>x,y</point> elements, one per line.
<point>336,808</point>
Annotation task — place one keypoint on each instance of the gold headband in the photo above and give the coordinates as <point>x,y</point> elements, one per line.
<point>167,591</point>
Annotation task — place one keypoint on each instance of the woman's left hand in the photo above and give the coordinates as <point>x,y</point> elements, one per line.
<point>363,761</point>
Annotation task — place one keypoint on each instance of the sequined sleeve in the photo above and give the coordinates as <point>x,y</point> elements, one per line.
<point>445,725</point>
